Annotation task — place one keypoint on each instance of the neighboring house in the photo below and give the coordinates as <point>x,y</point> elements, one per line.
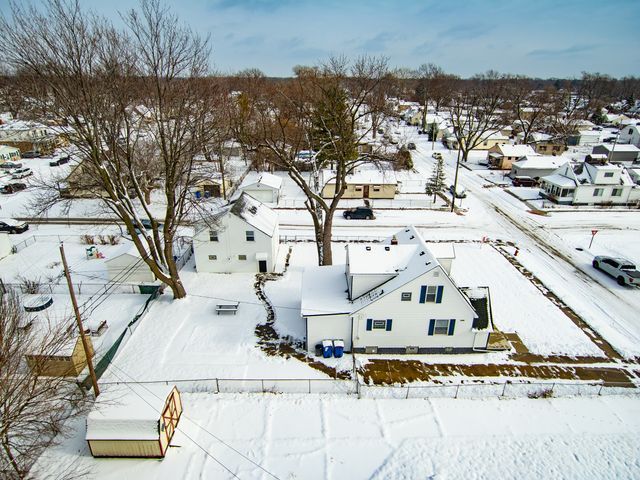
<point>9,154</point>
<point>392,298</point>
<point>615,119</point>
<point>242,237</point>
<point>28,136</point>
<point>489,140</point>
<point>590,184</point>
<point>617,153</point>
<point>126,266</point>
<point>502,156</point>
<point>265,189</point>
<point>536,166</point>
<point>543,143</point>
<point>362,184</point>
<point>634,173</point>
<point>584,137</point>
<point>630,134</point>
<point>133,420</point>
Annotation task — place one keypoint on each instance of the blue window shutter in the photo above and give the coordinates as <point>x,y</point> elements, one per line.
<point>452,325</point>
<point>439,294</point>
<point>432,326</point>
<point>389,321</point>
<point>423,293</point>
<point>369,323</point>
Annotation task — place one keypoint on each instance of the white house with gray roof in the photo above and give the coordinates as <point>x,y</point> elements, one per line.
<point>394,297</point>
<point>242,237</point>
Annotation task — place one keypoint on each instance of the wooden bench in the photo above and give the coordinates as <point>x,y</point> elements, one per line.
<point>229,307</point>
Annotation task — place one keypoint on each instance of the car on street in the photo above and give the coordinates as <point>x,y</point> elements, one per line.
<point>12,187</point>
<point>31,154</point>
<point>621,269</point>
<point>437,155</point>
<point>461,193</point>
<point>21,173</point>
<point>8,165</point>
<point>411,146</point>
<point>358,213</point>
<point>13,226</point>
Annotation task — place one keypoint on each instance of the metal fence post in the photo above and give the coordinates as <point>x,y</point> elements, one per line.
<point>262,382</point>
<point>309,385</point>
<point>217,386</point>
<point>457,388</point>
<point>407,392</point>
<point>504,387</point>
<point>600,389</point>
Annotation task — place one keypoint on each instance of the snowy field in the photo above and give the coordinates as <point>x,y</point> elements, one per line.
<point>311,437</point>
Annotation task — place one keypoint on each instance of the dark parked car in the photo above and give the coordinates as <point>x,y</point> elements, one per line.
<point>411,146</point>
<point>358,213</point>
<point>13,226</point>
<point>59,161</point>
<point>31,154</point>
<point>13,187</point>
<point>622,270</point>
<point>8,165</point>
<point>524,182</point>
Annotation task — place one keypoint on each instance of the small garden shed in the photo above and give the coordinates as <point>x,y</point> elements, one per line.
<point>134,421</point>
<point>126,266</point>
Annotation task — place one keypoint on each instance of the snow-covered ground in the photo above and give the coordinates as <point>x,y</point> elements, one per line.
<point>324,437</point>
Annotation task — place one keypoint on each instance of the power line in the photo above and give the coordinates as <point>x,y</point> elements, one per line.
<point>199,426</point>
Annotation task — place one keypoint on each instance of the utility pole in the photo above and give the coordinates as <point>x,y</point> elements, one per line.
<point>455,182</point>
<point>85,344</point>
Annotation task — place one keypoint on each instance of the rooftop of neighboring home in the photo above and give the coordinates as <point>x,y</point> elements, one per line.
<point>366,176</point>
<point>517,151</point>
<point>540,161</point>
<point>268,180</point>
<point>620,147</point>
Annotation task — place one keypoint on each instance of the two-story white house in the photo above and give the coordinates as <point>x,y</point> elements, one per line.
<point>590,184</point>
<point>242,237</point>
<point>392,298</point>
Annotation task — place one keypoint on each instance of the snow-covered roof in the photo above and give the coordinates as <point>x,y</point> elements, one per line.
<point>7,148</point>
<point>540,161</point>
<point>268,180</point>
<point>620,147</point>
<point>255,213</point>
<point>517,150</point>
<point>560,180</point>
<point>378,259</point>
<point>127,412</point>
<point>365,176</point>
<point>589,133</point>
<point>323,291</point>
<point>442,250</point>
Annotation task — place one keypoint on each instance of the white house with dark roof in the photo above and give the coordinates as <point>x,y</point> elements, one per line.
<point>243,237</point>
<point>265,189</point>
<point>392,298</point>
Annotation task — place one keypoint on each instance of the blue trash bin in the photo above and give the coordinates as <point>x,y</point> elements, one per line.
<point>327,348</point>
<point>198,194</point>
<point>338,348</point>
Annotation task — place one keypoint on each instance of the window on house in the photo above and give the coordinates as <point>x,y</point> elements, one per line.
<point>597,192</point>
<point>406,296</point>
<point>431,293</point>
<point>617,192</point>
<point>441,326</point>
<point>630,131</point>
<point>250,234</point>
<point>379,324</point>
<point>213,257</point>
<point>213,236</point>
<point>608,174</point>
<point>242,257</point>
<point>358,189</point>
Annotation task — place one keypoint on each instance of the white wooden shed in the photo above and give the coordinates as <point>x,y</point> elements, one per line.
<point>133,420</point>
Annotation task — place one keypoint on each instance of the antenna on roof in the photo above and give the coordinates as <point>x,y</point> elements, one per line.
<point>253,209</point>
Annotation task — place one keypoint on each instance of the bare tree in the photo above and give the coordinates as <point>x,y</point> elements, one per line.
<point>94,76</point>
<point>326,111</point>
<point>33,406</point>
<point>531,109</point>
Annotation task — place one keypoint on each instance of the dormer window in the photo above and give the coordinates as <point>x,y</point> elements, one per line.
<point>250,235</point>
<point>608,174</point>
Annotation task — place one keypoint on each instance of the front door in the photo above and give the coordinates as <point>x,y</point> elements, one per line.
<point>365,191</point>
<point>262,266</point>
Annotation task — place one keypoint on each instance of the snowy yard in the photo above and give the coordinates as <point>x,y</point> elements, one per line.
<point>314,437</point>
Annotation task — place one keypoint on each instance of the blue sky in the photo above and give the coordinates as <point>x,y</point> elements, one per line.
<point>545,38</point>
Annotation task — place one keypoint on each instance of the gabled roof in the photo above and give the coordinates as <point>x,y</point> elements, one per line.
<point>255,213</point>
<point>540,161</point>
<point>620,147</point>
<point>517,150</point>
<point>268,180</point>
